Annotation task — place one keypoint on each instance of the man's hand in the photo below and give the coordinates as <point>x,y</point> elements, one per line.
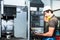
<point>38,34</point>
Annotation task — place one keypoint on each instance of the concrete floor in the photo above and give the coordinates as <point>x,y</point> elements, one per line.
<point>12,39</point>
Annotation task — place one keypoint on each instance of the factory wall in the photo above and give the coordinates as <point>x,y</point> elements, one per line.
<point>55,6</point>
<point>46,2</point>
<point>15,2</point>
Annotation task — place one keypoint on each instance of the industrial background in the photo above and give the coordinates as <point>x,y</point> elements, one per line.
<point>18,17</point>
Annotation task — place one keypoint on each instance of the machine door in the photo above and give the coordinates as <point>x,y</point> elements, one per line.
<point>20,24</point>
<point>36,23</point>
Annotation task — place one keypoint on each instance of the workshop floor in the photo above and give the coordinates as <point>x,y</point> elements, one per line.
<point>12,39</point>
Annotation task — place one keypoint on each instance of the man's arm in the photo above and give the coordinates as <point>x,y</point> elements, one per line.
<point>49,33</point>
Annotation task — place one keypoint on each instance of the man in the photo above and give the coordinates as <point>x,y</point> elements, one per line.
<point>52,21</point>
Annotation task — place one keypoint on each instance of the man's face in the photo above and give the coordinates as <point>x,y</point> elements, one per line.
<point>46,14</point>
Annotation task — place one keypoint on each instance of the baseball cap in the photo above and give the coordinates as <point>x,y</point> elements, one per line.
<point>46,8</point>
